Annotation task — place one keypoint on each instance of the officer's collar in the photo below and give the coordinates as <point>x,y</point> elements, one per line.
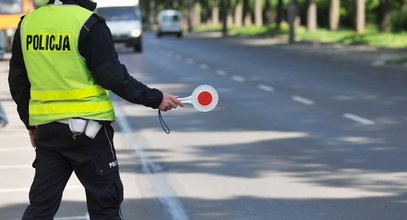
<point>83,3</point>
<point>61,2</point>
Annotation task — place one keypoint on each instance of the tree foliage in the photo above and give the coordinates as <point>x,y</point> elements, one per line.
<point>385,14</point>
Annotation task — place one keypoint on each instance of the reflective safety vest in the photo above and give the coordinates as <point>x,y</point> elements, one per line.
<point>62,86</point>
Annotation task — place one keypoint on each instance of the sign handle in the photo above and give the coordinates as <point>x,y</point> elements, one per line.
<point>186,100</point>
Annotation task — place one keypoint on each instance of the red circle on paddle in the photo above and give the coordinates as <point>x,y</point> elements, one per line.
<point>204,98</point>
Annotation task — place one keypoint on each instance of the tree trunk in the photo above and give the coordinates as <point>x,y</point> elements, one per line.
<point>197,14</point>
<point>384,16</point>
<point>190,16</point>
<point>268,13</point>
<point>152,15</point>
<point>238,13</point>
<point>279,17</point>
<point>334,15</point>
<point>247,14</point>
<point>312,16</point>
<point>225,11</point>
<point>215,14</point>
<point>360,17</point>
<point>292,14</point>
<point>258,13</point>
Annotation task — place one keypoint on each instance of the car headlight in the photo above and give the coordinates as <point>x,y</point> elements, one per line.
<point>135,33</point>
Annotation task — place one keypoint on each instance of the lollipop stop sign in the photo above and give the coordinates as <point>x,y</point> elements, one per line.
<point>204,98</point>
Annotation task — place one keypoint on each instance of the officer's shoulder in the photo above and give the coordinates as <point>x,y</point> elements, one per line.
<point>98,17</point>
<point>93,19</point>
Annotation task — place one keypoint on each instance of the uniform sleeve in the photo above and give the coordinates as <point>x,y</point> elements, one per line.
<point>108,72</point>
<point>18,80</point>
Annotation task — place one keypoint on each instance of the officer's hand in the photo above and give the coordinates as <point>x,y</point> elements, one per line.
<point>169,102</point>
<point>32,134</point>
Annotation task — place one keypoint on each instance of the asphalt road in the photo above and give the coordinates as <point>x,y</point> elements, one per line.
<point>295,136</point>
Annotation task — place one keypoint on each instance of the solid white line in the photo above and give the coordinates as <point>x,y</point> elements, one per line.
<point>15,167</point>
<point>221,72</point>
<point>303,100</point>
<point>358,119</point>
<point>165,193</point>
<point>28,148</point>
<point>85,217</point>
<point>28,189</point>
<point>265,88</point>
<point>238,78</point>
<point>204,66</point>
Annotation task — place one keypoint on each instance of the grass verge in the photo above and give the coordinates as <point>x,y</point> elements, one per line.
<point>371,36</point>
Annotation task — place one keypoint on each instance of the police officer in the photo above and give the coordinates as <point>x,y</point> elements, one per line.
<point>63,62</point>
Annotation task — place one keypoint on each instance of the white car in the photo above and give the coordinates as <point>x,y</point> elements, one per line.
<point>123,17</point>
<point>170,22</point>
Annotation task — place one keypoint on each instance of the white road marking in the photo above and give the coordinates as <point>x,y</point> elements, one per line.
<point>265,88</point>
<point>221,72</point>
<point>14,190</point>
<point>238,78</point>
<point>165,193</point>
<point>358,119</point>
<point>6,149</point>
<point>190,61</point>
<point>178,57</point>
<point>15,167</point>
<point>85,217</point>
<point>169,53</point>
<point>204,66</point>
<point>303,100</point>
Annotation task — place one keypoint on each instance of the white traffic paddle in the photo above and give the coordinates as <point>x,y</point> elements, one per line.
<point>204,98</point>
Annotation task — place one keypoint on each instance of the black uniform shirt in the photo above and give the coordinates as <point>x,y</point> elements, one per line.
<point>97,47</point>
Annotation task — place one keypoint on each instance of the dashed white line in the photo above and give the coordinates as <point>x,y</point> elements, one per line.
<point>85,217</point>
<point>238,78</point>
<point>221,72</point>
<point>204,66</point>
<point>265,88</point>
<point>303,100</point>
<point>358,119</point>
<point>189,61</point>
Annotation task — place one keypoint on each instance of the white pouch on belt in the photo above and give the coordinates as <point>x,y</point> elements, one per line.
<point>92,129</point>
<point>77,125</point>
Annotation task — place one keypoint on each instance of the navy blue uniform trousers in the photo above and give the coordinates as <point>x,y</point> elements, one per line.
<point>94,162</point>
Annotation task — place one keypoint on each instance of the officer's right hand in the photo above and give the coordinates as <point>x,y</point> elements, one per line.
<point>169,102</point>
<point>32,134</point>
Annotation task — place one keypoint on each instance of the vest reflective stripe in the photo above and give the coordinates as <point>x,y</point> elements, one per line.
<point>63,108</point>
<point>67,94</point>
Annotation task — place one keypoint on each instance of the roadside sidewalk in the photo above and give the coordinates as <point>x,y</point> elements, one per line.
<point>368,55</point>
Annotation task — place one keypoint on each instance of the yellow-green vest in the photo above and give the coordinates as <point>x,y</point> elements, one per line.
<point>62,86</point>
